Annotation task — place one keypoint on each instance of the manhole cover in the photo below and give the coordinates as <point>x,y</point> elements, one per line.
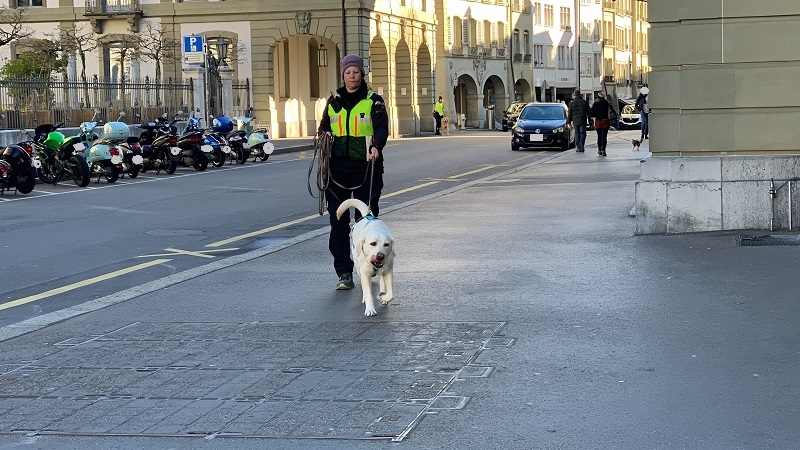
<point>767,240</point>
<point>363,380</point>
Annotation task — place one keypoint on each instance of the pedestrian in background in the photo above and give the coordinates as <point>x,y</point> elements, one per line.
<point>579,116</point>
<point>601,112</point>
<point>438,113</point>
<point>643,105</point>
<point>356,118</point>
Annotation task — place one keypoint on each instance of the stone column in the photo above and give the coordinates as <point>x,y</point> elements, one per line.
<point>197,73</point>
<point>226,74</point>
<point>724,116</point>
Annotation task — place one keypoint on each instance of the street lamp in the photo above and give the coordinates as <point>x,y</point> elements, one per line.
<point>322,56</point>
<point>222,51</point>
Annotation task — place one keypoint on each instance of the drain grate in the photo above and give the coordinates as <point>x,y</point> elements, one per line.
<point>767,240</point>
<point>364,380</point>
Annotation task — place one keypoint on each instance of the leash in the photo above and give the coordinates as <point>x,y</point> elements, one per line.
<point>323,145</point>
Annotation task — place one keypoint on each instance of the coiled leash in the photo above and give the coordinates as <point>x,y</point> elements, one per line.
<point>323,145</point>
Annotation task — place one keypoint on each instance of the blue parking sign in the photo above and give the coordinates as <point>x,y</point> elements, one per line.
<point>193,44</point>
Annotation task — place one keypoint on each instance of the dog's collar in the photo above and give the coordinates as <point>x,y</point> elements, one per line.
<point>369,218</point>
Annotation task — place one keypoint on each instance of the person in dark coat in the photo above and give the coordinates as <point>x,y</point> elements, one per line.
<point>356,118</point>
<point>600,113</point>
<point>579,116</point>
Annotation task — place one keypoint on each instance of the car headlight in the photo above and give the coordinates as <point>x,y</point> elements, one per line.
<point>518,130</point>
<point>559,130</point>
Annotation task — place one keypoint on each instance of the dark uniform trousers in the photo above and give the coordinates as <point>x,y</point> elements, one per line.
<point>339,240</point>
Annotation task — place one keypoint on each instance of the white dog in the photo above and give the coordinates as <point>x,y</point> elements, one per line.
<point>372,247</point>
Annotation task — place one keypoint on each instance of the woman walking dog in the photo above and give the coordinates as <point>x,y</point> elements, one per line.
<point>356,119</point>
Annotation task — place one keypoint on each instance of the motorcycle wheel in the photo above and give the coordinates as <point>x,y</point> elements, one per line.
<point>79,170</point>
<point>166,159</point>
<point>45,175</point>
<point>133,172</point>
<point>200,162</point>
<point>264,156</point>
<point>25,183</point>
<point>113,176</point>
<point>242,155</point>
<point>219,158</point>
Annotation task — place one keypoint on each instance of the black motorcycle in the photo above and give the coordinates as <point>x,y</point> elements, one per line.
<point>156,141</point>
<point>192,147</point>
<point>16,170</point>
<point>54,164</point>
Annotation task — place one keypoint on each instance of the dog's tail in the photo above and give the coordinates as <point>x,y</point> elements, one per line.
<point>354,203</point>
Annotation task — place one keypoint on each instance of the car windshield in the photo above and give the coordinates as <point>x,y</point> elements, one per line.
<point>629,109</point>
<point>515,107</point>
<point>535,112</point>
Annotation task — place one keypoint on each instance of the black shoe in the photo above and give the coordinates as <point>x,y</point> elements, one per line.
<point>345,282</point>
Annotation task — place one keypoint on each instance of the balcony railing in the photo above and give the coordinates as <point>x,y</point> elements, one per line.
<point>528,58</point>
<point>501,52</point>
<point>112,7</point>
<point>457,50</point>
<point>517,57</point>
<point>474,51</point>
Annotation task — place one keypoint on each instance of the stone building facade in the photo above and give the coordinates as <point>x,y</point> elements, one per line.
<point>725,111</point>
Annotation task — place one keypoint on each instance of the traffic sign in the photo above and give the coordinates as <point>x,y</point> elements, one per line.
<point>193,49</point>
<point>193,44</point>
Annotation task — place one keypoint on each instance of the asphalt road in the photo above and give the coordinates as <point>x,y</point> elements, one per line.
<point>66,245</point>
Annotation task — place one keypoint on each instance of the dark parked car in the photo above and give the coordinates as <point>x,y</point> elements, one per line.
<point>543,125</point>
<point>511,113</point>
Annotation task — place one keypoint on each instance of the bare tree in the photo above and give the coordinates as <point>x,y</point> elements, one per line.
<point>11,25</point>
<point>81,40</point>
<point>158,47</point>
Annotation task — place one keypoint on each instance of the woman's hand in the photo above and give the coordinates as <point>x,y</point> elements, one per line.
<point>373,154</point>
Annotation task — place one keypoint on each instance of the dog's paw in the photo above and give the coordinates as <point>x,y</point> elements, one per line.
<point>385,298</point>
<point>370,312</point>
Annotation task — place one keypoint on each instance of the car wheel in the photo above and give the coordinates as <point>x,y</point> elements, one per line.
<point>514,147</point>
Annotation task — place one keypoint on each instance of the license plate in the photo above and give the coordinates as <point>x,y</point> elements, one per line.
<point>79,146</point>
<point>206,148</point>
<point>536,137</point>
<point>246,146</point>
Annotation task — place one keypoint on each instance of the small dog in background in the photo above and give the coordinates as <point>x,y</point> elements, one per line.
<point>636,144</point>
<point>445,125</point>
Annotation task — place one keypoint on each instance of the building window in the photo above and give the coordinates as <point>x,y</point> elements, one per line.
<point>566,18</point>
<point>501,35</point>
<point>537,13</point>
<point>548,15</point>
<point>488,32</point>
<point>458,32</point>
<point>516,46</point>
<point>562,57</point>
<point>538,55</point>
<point>526,43</point>
<point>27,3</point>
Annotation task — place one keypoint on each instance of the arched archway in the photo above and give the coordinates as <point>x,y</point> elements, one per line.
<point>494,97</point>
<point>403,92</point>
<point>466,97</point>
<point>378,77</point>
<point>425,89</point>
<point>522,91</point>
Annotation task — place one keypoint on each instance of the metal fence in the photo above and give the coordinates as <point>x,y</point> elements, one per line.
<point>26,103</point>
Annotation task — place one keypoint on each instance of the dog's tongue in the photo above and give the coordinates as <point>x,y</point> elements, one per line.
<point>375,262</point>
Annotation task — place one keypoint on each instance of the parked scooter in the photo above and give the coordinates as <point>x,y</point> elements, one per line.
<point>54,157</point>
<point>237,139</point>
<point>258,140</point>
<point>16,170</point>
<point>157,139</point>
<point>220,127</point>
<point>103,156</point>
<point>193,146</point>
<point>132,160</point>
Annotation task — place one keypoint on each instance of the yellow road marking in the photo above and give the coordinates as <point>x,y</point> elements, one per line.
<point>472,171</point>
<point>412,188</point>
<point>199,254</point>
<point>262,231</point>
<point>301,154</point>
<point>90,281</point>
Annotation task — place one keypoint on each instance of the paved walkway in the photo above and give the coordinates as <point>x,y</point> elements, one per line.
<point>526,315</point>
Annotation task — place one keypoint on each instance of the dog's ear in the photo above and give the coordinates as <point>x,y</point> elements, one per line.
<point>359,249</point>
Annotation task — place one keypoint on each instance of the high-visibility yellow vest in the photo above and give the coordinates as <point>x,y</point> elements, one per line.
<point>352,130</point>
<point>440,108</point>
